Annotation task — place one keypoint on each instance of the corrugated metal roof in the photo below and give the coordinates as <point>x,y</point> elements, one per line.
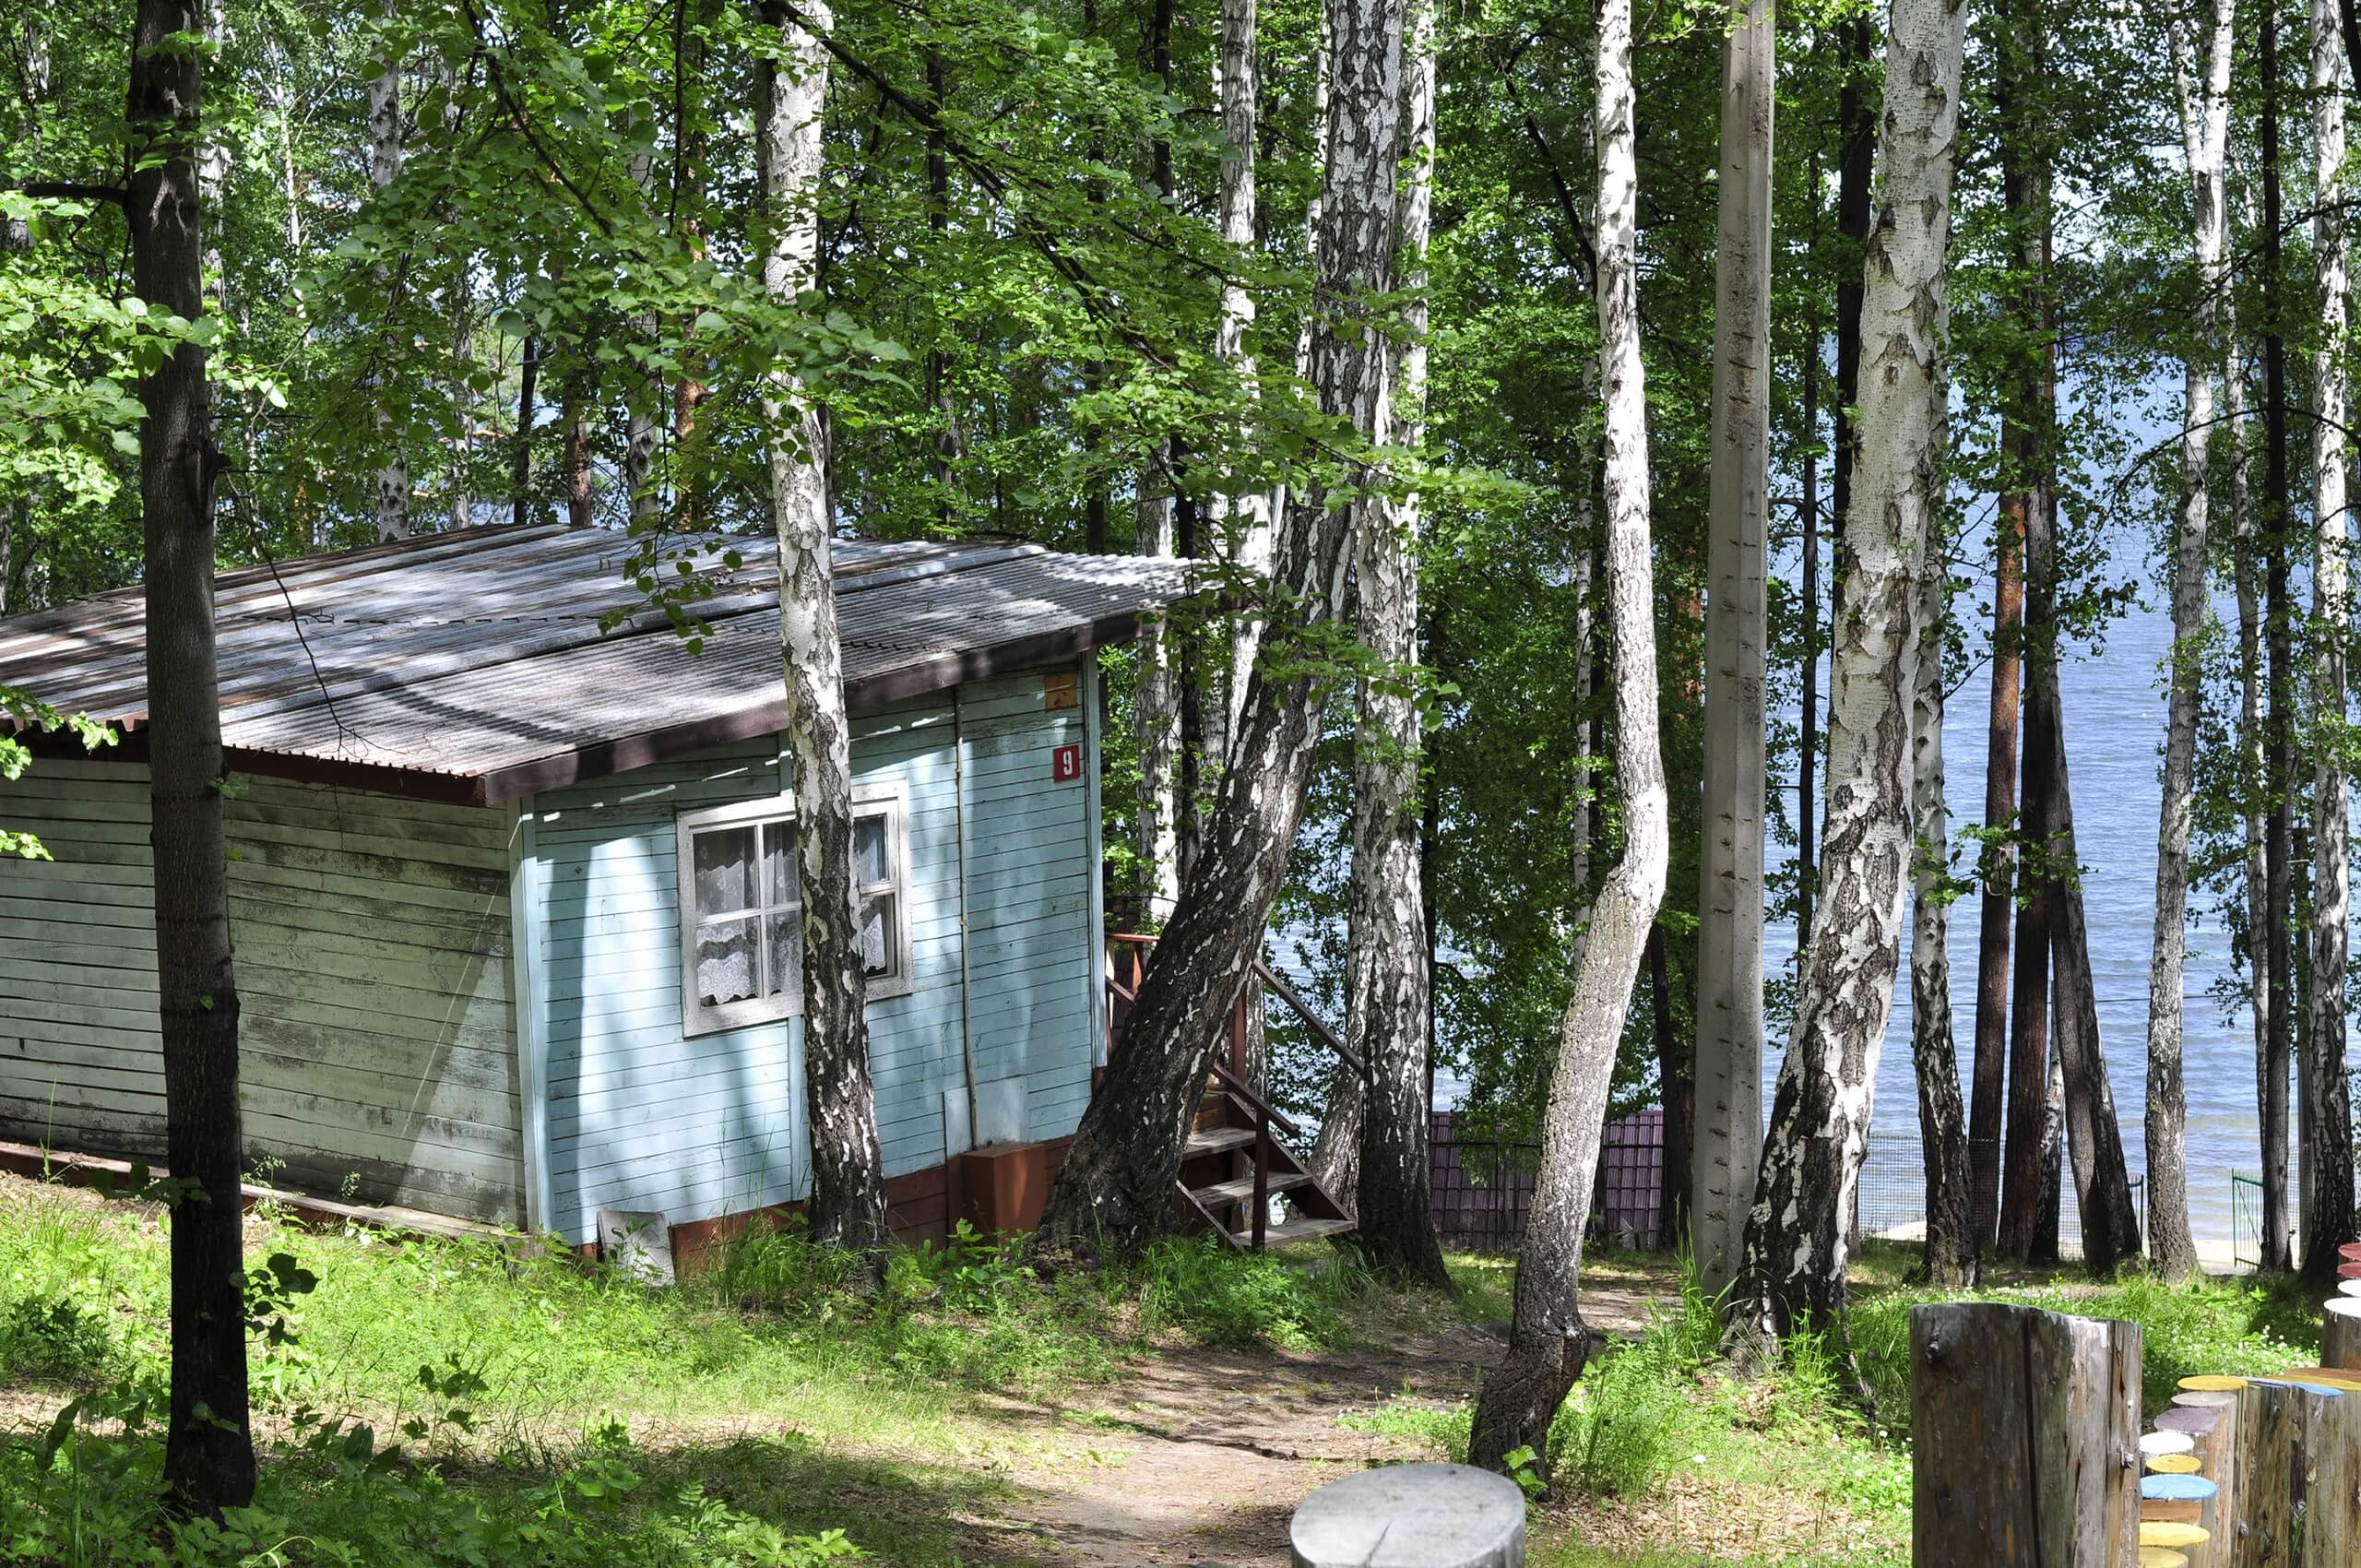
<point>473,665</point>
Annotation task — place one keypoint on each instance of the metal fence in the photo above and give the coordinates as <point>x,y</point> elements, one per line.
<point>1482,1188</point>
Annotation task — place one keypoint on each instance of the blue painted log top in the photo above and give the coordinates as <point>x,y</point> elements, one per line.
<point>2175,1489</point>
<point>2320,1388</point>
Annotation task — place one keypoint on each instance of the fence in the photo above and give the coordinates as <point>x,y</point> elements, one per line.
<point>1482,1188</point>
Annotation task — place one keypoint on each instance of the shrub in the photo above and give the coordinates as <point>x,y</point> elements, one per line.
<point>1216,1295</point>
<point>60,1340</point>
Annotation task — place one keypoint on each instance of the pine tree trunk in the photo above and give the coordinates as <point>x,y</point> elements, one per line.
<point>2328,1109</point>
<point>2028,414</point>
<point>2102,1180</point>
<point>1389,998</point>
<point>2204,102</point>
<point>1796,1234</point>
<point>209,1457</point>
<point>1728,1070</point>
<point>1996,871</point>
<point>394,520</point>
<point>1115,1183</point>
<point>1549,1342</point>
<point>1951,1253</point>
<point>2279,758</point>
<point>847,1203</point>
<point>2032,1156</point>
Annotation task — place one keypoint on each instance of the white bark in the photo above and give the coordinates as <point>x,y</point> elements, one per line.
<point>1156,710</point>
<point>1243,522</point>
<point>1795,1244</point>
<point>1388,1000</point>
<point>1548,1341</point>
<point>1950,1253</point>
<point>394,520</point>
<point>2203,86</point>
<point>847,1203</point>
<point>2327,1111</point>
<point>1728,1128</point>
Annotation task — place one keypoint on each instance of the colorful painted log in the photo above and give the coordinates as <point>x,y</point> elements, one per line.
<point>2341,1333</point>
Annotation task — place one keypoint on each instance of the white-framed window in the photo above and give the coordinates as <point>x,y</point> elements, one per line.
<point>741,910</point>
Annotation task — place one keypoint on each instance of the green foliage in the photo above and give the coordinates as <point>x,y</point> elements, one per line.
<point>1209,1291</point>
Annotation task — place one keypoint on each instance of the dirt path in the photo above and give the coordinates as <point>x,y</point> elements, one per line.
<point>1199,1457</point>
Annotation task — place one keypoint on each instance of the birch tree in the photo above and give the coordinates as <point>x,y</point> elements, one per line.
<point>1796,1234</point>
<point>1116,1179</point>
<point>1156,706</point>
<point>1549,1342</point>
<point>2202,82</point>
<point>1728,1130</point>
<point>1952,1245</point>
<point>847,1203</point>
<point>1389,995</point>
<point>2328,1110</point>
<point>394,520</point>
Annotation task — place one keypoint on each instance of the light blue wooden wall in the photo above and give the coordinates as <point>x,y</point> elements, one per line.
<point>638,1115</point>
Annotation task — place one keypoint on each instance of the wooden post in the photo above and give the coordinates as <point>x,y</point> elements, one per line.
<point>2328,1474</point>
<point>2341,1333</point>
<point>2262,1530</point>
<point>2025,1426</point>
<point>1262,1174</point>
<point>1237,1044</point>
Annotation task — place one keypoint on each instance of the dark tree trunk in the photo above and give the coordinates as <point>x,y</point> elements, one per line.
<point>1679,1089</point>
<point>2032,1159</point>
<point>1808,710</point>
<point>2102,1180</point>
<point>520,477</point>
<point>209,1457</point>
<point>2028,413</point>
<point>1116,1185</point>
<point>1998,873</point>
<point>2278,729</point>
<point>1950,1257</point>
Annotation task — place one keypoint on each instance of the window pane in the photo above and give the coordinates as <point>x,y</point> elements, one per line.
<point>870,863</point>
<point>725,962</point>
<point>880,947</point>
<point>780,889</point>
<point>786,938</point>
<point>725,868</point>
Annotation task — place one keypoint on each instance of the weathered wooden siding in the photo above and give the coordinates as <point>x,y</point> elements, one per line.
<point>371,943</point>
<point>79,1066</point>
<point>642,1116</point>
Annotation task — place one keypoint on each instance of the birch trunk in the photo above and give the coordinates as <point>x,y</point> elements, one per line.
<point>2279,752</point>
<point>649,396</point>
<point>1115,1183</point>
<point>1728,1074</point>
<point>1389,996</point>
<point>847,1203</point>
<point>209,1457</point>
<point>1951,1248</point>
<point>1244,521</point>
<point>1156,709</point>
<point>394,520</point>
<point>1795,1248</point>
<point>2328,1110</point>
<point>2237,397</point>
<point>2203,86</point>
<point>1549,1342</point>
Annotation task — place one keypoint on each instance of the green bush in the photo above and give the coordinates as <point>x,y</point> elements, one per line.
<point>59,1340</point>
<point>1204,1289</point>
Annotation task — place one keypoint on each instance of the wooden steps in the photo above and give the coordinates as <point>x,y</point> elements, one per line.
<point>1293,1230</point>
<point>1217,1185</point>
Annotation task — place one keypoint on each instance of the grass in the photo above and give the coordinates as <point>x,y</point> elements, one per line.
<point>450,1401</point>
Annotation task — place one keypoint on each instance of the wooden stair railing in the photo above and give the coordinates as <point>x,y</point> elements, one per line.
<point>1235,1126</point>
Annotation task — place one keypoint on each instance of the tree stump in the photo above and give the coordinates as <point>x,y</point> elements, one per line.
<point>2025,1426</point>
<point>2341,1333</point>
<point>1412,1517</point>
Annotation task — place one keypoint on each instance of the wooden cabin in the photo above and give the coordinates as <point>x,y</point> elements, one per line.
<point>508,886</point>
